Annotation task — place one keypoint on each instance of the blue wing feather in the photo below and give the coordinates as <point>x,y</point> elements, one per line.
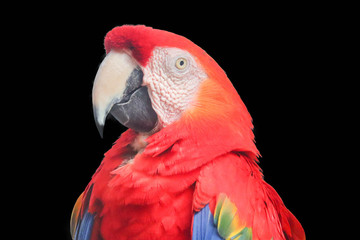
<point>85,222</point>
<point>84,229</point>
<point>204,227</point>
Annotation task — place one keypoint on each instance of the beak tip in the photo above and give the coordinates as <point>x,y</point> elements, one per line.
<point>99,123</point>
<point>100,128</point>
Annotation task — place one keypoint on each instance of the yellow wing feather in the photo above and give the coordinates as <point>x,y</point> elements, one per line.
<point>75,215</point>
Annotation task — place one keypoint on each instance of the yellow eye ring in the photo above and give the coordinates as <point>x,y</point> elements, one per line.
<point>181,63</point>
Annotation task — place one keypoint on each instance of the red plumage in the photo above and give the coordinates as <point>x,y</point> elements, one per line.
<point>141,40</point>
<point>186,165</point>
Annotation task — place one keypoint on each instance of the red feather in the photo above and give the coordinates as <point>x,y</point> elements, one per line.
<point>142,40</point>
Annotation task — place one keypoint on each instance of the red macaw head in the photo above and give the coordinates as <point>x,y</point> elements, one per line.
<point>151,79</point>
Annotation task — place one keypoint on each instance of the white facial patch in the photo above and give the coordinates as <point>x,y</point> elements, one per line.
<point>173,78</point>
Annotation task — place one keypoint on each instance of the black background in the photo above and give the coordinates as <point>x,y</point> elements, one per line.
<point>275,63</point>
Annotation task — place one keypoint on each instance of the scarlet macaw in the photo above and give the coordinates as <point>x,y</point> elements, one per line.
<point>187,166</point>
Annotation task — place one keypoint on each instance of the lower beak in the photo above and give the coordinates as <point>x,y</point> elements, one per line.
<point>118,90</point>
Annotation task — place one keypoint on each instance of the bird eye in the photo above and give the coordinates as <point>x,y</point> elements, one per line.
<point>181,63</point>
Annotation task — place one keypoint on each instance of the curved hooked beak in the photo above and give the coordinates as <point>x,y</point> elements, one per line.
<point>118,90</point>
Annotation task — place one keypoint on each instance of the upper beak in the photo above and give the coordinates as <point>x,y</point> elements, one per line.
<point>118,90</point>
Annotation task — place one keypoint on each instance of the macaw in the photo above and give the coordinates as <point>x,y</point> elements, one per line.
<point>187,167</point>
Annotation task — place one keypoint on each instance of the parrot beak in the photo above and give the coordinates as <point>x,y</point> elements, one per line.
<point>118,90</point>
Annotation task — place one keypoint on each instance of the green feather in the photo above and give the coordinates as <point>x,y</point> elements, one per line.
<point>245,234</point>
<point>227,220</point>
<point>225,223</point>
<point>219,204</point>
